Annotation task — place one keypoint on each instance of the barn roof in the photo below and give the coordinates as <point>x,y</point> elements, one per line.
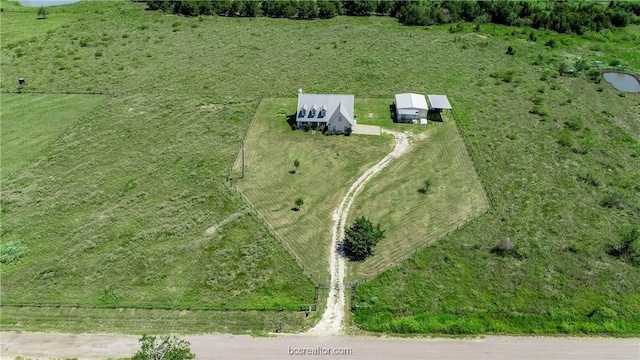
<point>411,101</point>
<point>439,102</point>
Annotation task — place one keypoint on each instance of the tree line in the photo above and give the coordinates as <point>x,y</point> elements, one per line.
<point>560,16</point>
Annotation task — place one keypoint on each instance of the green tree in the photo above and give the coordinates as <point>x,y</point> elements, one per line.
<point>307,9</point>
<point>361,238</point>
<point>425,186</point>
<point>43,12</point>
<point>511,50</point>
<point>327,9</point>
<point>299,202</point>
<point>296,164</point>
<point>163,348</point>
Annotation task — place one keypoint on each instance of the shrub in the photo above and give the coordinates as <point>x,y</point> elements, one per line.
<point>563,68</point>
<point>612,200</point>
<point>589,179</point>
<point>582,64</point>
<point>163,347</point>
<point>565,139</point>
<point>594,76</point>
<point>539,110</point>
<point>614,62</point>
<point>348,131</point>
<point>551,43</point>
<point>510,51</point>
<point>505,247</point>
<point>574,124</point>
<point>298,204</point>
<point>506,76</point>
<point>426,185</point>
<point>628,248</point>
<point>537,99</point>
<point>11,251</point>
<point>532,36</point>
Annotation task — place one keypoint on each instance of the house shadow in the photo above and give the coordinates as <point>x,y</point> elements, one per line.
<point>434,115</point>
<point>291,120</point>
<point>392,112</point>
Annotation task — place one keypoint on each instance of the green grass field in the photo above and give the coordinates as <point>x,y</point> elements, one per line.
<point>328,167</point>
<point>140,321</point>
<point>118,212</point>
<point>27,134</point>
<point>411,219</point>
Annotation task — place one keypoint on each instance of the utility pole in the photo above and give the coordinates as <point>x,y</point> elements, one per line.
<point>243,159</point>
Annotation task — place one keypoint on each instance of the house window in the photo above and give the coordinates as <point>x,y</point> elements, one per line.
<point>303,112</point>
<point>323,112</point>
<point>339,118</point>
<point>313,112</point>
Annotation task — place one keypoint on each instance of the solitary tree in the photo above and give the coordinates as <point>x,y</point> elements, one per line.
<point>511,51</point>
<point>361,238</point>
<point>296,164</point>
<point>426,185</point>
<point>299,202</point>
<point>42,12</point>
<point>163,348</point>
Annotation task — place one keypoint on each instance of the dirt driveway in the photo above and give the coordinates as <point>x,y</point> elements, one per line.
<point>366,129</point>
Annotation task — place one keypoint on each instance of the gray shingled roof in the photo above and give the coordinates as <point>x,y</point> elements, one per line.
<point>330,102</point>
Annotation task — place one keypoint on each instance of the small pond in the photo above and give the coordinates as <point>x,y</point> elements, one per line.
<point>38,3</point>
<point>622,82</point>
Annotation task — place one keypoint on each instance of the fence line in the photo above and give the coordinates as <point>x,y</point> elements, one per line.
<point>399,263</point>
<point>317,284</point>
<point>117,305</point>
<point>110,93</point>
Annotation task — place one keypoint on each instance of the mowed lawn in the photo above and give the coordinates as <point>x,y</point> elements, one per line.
<point>328,167</point>
<point>412,219</point>
<point>31,123</point>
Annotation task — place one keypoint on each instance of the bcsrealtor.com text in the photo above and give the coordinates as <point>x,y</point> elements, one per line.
<point>319,350</point>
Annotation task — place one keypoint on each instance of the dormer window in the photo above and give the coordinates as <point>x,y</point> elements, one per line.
<point>303,111</point>
<point>314,111</point>
<point>323,111</point>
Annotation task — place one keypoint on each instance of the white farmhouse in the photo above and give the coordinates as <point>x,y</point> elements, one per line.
<point>330,110</point>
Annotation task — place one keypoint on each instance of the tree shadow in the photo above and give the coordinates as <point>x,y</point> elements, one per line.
<point>293,123</point>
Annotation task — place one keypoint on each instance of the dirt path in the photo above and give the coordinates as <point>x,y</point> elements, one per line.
<point>331,321</point>
<point>242,347</point>
<point>233,217</point>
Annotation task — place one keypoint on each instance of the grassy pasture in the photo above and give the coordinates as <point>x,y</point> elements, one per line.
<point>27,133</point>
<point>21,23</point>
<point>328,167</point>
<point>412,220</point>
<point>168,137</point>
<point>117,213</point>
